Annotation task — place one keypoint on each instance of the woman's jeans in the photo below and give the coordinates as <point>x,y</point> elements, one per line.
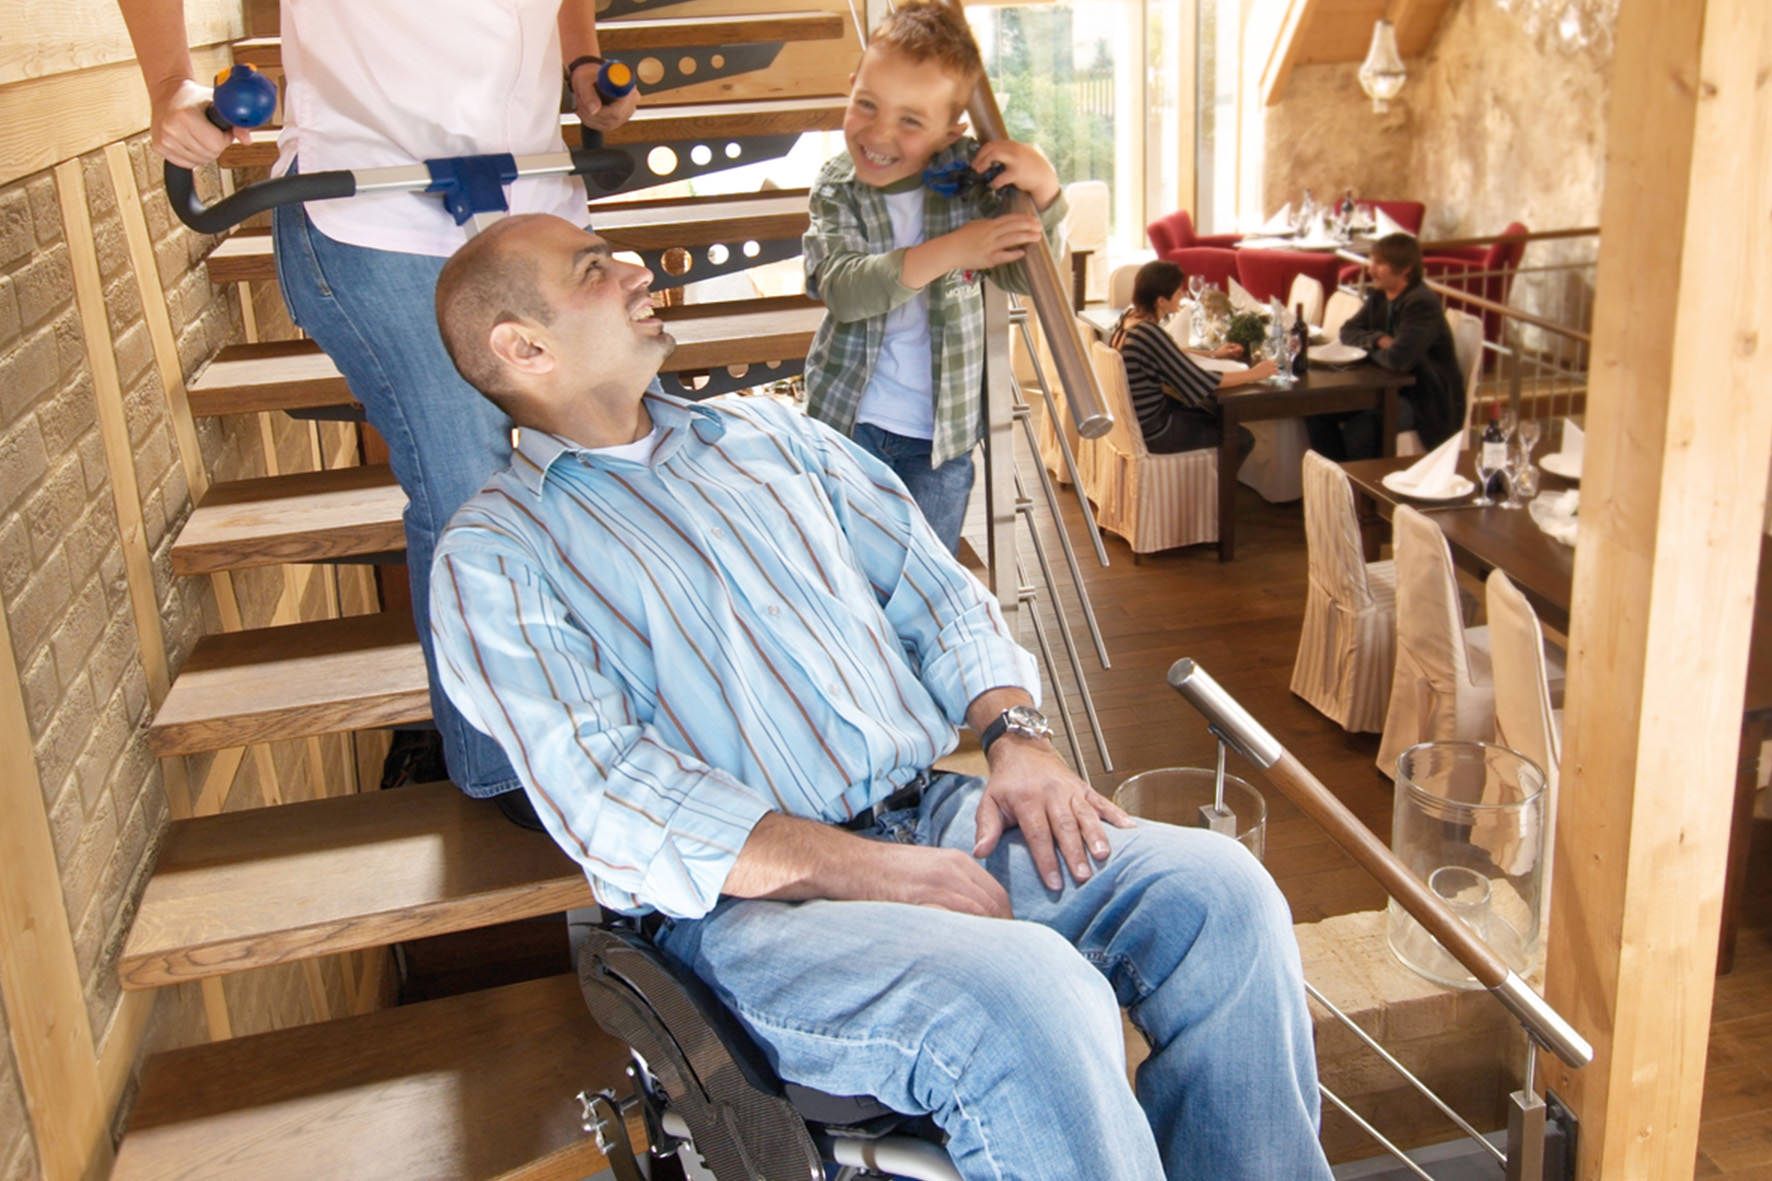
<point>373,311</point>
<point>942,492</point>
<point>1008,1033</point>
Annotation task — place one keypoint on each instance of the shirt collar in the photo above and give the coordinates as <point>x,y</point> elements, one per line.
<point>675,418</point>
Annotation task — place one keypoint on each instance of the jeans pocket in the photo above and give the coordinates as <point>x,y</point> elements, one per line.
<point>297,261</point>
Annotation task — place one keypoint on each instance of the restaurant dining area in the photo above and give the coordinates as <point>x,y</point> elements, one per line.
<point>1363,456</point>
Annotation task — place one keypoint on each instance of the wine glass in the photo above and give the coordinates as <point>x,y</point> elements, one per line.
<point>1196,285</point>
<point>1515,472</point>
<point>1483,473</point>
<point>1529,432</point>
<point>1285,352</point>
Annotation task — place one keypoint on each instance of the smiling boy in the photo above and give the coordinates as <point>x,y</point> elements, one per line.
<point>898,363</point>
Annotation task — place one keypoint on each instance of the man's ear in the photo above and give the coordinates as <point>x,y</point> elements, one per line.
<point>518,345</point>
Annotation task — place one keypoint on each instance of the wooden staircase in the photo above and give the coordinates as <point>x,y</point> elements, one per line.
<point>477,1085</point>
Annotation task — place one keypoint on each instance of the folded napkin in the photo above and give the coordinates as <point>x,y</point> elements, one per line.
<point>1434,474</point>
<point>1555,513</point>
<point>1574,440</point>
<point>1279,223</point>
<point>1383,223</point>
<point>1180,326</point>
<point>1241,300</point>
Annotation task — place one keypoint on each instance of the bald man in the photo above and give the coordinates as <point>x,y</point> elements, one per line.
<point>722,649</point>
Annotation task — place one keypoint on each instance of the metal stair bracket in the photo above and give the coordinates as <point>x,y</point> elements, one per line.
<point>687,65</point>
<point>732,377</point>
<point>616,9</point>
<point>673,266</point>
<point>658,163</point>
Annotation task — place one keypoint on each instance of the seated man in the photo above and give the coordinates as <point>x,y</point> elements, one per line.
<point>1402,325</point>
<point>723,647</point>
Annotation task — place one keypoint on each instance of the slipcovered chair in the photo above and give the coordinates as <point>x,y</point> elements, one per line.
<point>1307,290</point>
<point>1483,271</point>
<point>1086,230</point>
<point>1525,720</point>
<point>1175,231</point>
<point>1347,651</point>
<point>1120,281</point>
<point>1154,502</point>
<point>1047,431</point>
<point>1268,274</point>
<point>1442,689</point>
<point>1340,308</point>
<point>1213,263</point>
<point>1467,344</point>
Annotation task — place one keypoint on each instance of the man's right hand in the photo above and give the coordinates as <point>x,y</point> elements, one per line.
<point>945,878</point>
<point>182,132</point>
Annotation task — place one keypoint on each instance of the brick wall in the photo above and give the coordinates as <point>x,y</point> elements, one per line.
<point>66,596</point>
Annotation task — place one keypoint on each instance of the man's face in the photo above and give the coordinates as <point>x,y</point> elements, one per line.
<point>603,328</point>
<point>1387,278</point>
<point>900,113</point>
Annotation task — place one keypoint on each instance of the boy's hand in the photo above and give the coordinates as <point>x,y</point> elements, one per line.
<point>976,246</point>
<point>1024,166</point>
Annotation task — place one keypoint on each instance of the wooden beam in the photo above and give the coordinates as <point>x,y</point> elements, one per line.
<point>1679,433</point>
<point>1283,54</point>
<point>39,976</point>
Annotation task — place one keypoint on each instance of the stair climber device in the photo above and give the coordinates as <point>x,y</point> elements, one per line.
<point>472,187</point>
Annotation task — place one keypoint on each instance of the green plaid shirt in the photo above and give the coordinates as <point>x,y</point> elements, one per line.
<point>852,266</point>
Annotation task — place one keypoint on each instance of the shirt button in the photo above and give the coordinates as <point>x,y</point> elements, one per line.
<point>716,531</point>
<point>774,610</point>
<point>833,689</point>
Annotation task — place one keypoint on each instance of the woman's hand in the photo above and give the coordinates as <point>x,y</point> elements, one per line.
<point>181,132</point>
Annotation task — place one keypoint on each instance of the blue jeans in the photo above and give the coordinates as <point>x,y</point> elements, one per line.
<point>1008,1033</point>
<point>942,493</point>
<point>373,312</point>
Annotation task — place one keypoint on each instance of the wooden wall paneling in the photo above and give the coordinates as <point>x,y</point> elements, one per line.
<point>39,976</point>
<point>44,121</point>
<point>46,39</point>
<point>1679,435</point>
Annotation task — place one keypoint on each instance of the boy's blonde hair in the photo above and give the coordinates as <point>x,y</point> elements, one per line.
<point>931,31</point>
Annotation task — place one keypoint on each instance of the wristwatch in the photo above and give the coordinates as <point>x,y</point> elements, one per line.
<point>1022,720</point>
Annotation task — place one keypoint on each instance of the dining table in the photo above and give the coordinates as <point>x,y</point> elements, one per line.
<point>1496,538</point>
<point>1324,389</point>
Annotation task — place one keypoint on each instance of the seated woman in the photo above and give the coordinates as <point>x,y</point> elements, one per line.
<point>1176,401</point>
<point>1402,325</point>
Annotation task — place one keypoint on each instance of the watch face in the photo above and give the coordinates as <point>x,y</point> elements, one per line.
<point>1028,721</point>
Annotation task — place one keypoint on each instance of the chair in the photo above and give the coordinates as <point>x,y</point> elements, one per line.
<point>1175,231</point>
<point>1154,502</point>
<point>1484,271</point>
<point>1407,214</point>
<point>1268,274</point>
<point>1525,720</point>
<point>1347,650</point>
<point>1442,688</point>
<point>1467,345</point>
<point>1057,417</point>
<point>1215,264</point>
<point>1307,290</point>
<point>1120,281</point>
<point>706,1091</point>
<point>1340,308</point>
<point>1086,230</point>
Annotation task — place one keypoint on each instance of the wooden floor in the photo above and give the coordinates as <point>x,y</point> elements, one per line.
<point>1241,622</point>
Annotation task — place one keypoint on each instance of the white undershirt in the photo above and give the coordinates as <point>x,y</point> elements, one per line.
<point>639,451</point>
<point>378,83</point>
<point>900,396</point>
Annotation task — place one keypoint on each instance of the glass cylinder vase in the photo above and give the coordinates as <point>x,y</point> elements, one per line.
<point>1469,821</point>
<point>1177,795</point>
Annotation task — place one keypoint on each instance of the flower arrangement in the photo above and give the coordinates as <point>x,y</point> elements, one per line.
<point>1248,329</point>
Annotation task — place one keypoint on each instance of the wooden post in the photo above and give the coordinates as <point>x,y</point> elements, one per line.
<point>1678,433</point>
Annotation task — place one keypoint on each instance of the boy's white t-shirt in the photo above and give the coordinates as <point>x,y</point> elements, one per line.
<point>900,396</point>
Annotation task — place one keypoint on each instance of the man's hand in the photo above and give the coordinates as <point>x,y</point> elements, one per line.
<point>1386,341</point>
<point>1059,815</point>
<point>593,111</point>
<point>181,131</point>
<point>924,876</point>
<point>1024,166</point>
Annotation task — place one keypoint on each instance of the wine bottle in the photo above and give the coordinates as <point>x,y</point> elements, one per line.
<point>1495,454</point>
<point>1302,334</point>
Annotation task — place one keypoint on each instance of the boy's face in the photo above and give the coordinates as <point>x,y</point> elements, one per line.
<point>901,112</point>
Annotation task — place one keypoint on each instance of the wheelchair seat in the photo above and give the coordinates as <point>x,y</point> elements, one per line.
<point>703,1082</point>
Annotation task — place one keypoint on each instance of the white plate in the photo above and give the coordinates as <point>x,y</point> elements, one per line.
<point>1336,354</point>
<point>1318,337</point>
<point>1558,526</point>
<point>1558,464</point>
<point>1217,364</point>
<point>1463,487</point>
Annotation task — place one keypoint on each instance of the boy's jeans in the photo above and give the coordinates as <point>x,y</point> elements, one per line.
<point>942,493</point>
<point>374,313</point>
<point>1008,1032</point>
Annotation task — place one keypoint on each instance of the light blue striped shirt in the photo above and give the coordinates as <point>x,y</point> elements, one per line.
<point>756,620</point>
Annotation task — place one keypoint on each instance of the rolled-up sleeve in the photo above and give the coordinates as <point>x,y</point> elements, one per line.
<point>950,626</point>
<point>652,826</point>
<point>853,281</point>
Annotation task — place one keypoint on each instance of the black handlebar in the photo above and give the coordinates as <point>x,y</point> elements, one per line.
<point>606,168</point>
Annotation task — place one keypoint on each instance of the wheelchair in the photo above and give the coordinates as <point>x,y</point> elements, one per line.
<point>711,1104</point>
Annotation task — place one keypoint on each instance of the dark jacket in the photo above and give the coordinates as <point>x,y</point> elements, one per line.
<point>1422,347</point>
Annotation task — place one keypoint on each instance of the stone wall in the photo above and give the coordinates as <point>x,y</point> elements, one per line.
<point>66,594</point>
<point>1493,125</point>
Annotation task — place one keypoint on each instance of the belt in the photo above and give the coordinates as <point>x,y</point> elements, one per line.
<point>907,796</point>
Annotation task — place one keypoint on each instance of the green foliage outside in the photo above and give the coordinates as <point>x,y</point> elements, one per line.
<point>1047,98</point>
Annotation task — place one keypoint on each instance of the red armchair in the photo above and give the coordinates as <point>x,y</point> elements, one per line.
<point>1483,271</point>
<point>1268,274</point>
<point>1175,231</point>
<point>1215,264</point>
<point>1408,214</point>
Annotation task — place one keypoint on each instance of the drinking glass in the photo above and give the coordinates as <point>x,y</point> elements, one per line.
<point>1517,465</point>
<point>1529,431</point>
<point>1483,474</point>
<point>1196,285</point>
<point>1285,352</point>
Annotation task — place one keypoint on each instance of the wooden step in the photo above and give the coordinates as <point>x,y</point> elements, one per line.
<point>268,886</point>
<point>663,123</point>
<point>627,38</point>
<point>246,254</point>
<point>473,1086</point>
<point>304,517</point>
<point>296,375</point>
<point>265,684</point>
